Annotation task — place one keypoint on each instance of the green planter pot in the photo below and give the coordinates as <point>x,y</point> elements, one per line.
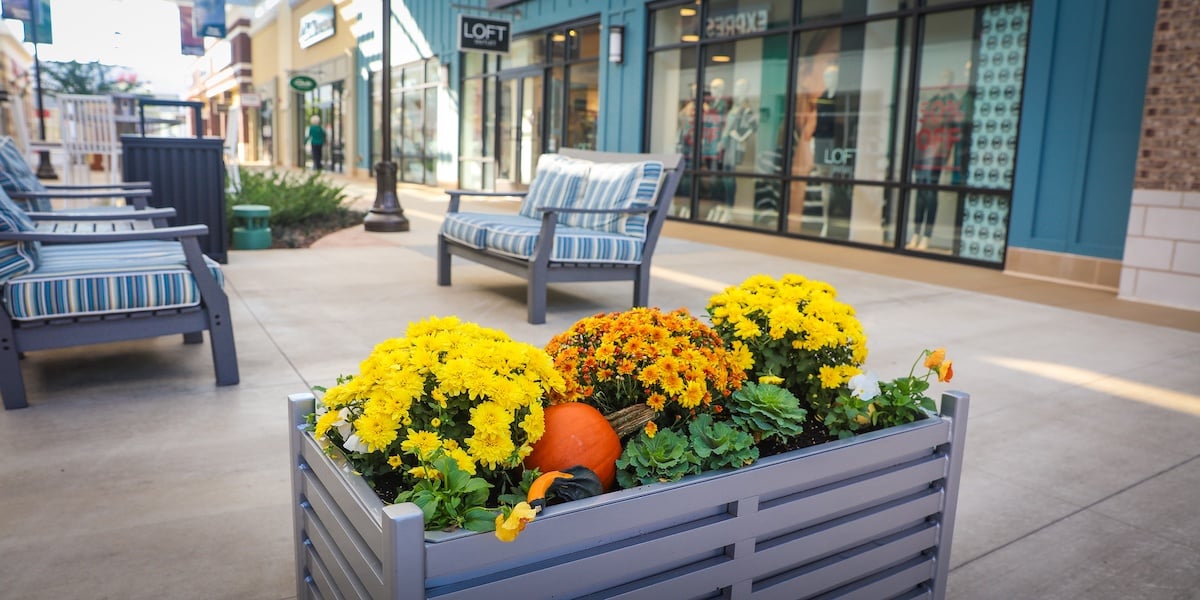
<point>871,517</point>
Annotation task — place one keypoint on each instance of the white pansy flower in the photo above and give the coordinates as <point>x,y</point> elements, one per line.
<point>343,423</point>
<point>864,386</point>
<point>355,444</point>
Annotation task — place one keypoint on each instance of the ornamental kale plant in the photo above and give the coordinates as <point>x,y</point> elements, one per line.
<point>766,410</point>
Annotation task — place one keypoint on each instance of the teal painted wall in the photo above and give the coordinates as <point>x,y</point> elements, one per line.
<point>1085,83</point>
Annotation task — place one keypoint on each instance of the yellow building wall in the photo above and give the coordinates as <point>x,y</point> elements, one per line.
<point>264,54</point>
<point>338,45</point>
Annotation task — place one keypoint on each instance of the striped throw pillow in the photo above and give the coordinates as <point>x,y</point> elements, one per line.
<point>619,185</point>
<point>16,258</point>
<point>557,182</point>
<point>17,176</point>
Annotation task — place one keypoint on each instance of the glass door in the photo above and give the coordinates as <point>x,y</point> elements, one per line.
<point>520,110</point>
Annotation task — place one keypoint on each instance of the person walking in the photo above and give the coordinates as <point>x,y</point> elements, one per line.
<point>316,137</point>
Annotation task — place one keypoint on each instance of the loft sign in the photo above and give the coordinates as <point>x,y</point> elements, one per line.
<point>483,35</point>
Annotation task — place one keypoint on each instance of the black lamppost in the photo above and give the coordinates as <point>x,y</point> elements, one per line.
<point>386,215</point>
<point>45,170</point>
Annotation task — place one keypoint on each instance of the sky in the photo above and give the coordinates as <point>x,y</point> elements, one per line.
<point>142,35</point>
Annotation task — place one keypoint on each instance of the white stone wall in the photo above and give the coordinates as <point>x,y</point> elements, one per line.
<point>1162,249</point>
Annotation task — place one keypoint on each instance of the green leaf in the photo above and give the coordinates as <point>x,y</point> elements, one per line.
<point>479,519</point>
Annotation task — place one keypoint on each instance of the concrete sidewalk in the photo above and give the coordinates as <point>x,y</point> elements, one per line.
<point>132,476</point>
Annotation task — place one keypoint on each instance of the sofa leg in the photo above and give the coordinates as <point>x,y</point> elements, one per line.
<point>12,384</point>
<point>193,337</point>
<point>443,263</point>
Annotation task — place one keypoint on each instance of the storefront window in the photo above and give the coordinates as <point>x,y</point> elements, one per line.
<point>730,18</point>
<point>583,104</point>
<point>811,10</point>
<point>965,133</point>
<point>849,102</point>
<point>413,122</point>
<point>859,150</point>
<point>675,25</point>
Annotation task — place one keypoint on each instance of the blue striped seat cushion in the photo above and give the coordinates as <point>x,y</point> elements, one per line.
<point>618,185</point>
<point>558,181</point>
<point>17,176</point>
<point>571,244</point>
<point>16,258</point>
<point>469,228</point>
<point>75,280</point>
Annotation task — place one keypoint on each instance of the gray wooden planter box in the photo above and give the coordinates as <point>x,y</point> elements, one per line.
<point>867,517</point>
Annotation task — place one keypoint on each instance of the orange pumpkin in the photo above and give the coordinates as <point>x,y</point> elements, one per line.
<point>577,434</point>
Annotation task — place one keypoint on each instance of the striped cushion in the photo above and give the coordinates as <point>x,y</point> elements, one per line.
<point>571,244</point>
<point>558,181</point>
<point>16,258</point>
<point>94,279</point>
<point>17,176</point>
<point>619,185</point>
<point>469,228</point>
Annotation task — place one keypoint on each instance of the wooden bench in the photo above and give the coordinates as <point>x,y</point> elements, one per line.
<point>588,216</point>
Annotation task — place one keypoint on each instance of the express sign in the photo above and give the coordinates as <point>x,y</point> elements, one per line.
<point>483,35</point>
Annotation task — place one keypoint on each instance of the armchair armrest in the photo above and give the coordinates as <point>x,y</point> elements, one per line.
<point>75,194</point>
<point>633,210</point>
<point>161,233</point>
<point>128,185</point>
<point>127,215</point>
<point>456,196</point>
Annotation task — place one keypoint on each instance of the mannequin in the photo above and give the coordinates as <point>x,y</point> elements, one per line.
<point>825,134</point>
<point>820,52</point>
<point>740,124</point>
<point>716,104</point>
<point>938,135</point>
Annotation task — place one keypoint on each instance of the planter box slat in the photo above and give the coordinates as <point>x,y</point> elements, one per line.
<point>836,571</point>
<point>841,536</point>
<point>340,572</point>
<point>849,518</point>
<point>897,581</point>
<point>352,550</point>
<point>319,578</point>
<point>347,491</point>
<point>842,498</point>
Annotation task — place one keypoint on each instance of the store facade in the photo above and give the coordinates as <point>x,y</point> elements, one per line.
<point>304,59</point>
<point>1001,134</point>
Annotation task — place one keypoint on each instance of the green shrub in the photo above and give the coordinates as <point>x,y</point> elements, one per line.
<point>301,205</point>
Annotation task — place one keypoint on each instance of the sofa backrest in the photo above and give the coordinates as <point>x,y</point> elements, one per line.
<point>619,186</point>
<point>586,179</point>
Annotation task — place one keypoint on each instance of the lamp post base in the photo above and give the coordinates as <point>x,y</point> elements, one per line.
<point>386,215</point>
<point>45,170</point>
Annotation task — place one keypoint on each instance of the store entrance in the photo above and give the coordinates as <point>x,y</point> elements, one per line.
<point>520,101</point>
<point>326,103</point>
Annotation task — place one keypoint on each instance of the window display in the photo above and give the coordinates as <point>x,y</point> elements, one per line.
<point>864,147</point>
